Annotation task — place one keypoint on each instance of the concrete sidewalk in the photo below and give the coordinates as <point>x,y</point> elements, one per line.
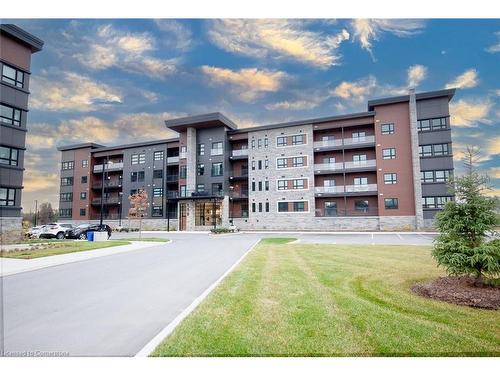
<point>9,266</point>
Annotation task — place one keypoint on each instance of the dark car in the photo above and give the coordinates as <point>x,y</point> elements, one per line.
<point>81,231</point>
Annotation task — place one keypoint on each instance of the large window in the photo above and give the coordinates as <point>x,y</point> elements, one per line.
<point>281,163</point>
<point>217,148</point>
<point>9,155</point>
<point>435,202</point>
<point>298,139</point>
<point>66,197</point>
<point>391,203</point>
<point>207,214</point>
<point>10,115</point>
<point>217,169</point>
<point>296,206</point>
<point>439,123</point>
<point>282,206</point>
<point>65,212</point>
<point>330,208</point>
<point>361,206</point>
<point>359,159</point>
<point>158,155</point>
<point>390,178</point>
<point>435,176</point>
<point>158,173</point>
<point>358,136</point>
<point>298,161</point>
<point>66,181</point>
<point>389,153</point>
<point>7,197</point>
<point>361,181</point>
<point>387,129</point>
<point>137,176</point>
<point>441,149</point>
<point>13,76</point>
<point>281,141</point>
<point>67,165</point>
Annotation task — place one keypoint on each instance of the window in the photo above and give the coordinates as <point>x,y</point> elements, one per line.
<point>200,187</point>
<point>329,183</point>
<point>183,191</point>
<point>9,155</point>
<point>253,207</point>
<point>260,164</point>
<point>200,169</point>
<point>427,176</point>
<point>259,143</point>
<point>281,141</point>
<point>138,158</point>
<point>361,206</point>
<point>266,142</point>
<point>201,149</point>
<point>157,192</point>
<point>260,185</point>
<point>282,206</point>
<point>157,211</point>
<point>183,172</point>
<point>266,185</point>
<point>67,165</point>
<point>282,185</point>
<point>330,208</point>
<point>390,178</point>
<point>298,184</point>
<point>439,123</point>
<point>82,212</point>
<point>217,189</point>
<point>158,173</point>
<point>361,181</point>
<point>137,176</point>
<point>435,202</point>
<point>425,151</point>
<point>299,206</point>
<point>424,125</point>
<point>260,206</point>
<point>281,163</point>
<point>253,185</point>
<point>65,212</point>
<point>387,129</point>
<point>66,181</point>
<point>298,161</point>
<point>7,197</point>
<point>66,197</point>
<point>158,155</point>
<point>83,195</point>
<point>13,76</point>
<point>358,136</point>
<point>217,148</point>
<point>267,206</point>
<point>253,143</point>
<point>441,149</point>
<point>266,164</point>
<point>391,203</point>
<point>85,163</point>
<point>298,139</point>
<point>435,176</point>
<point>253,165</point>
<point>217,169</point>
<point>10,115</point>
<point>442,176</point>
<point>389,153</point>
<point>359,159</point>
<point>142,158</point>
<point>329,160</point>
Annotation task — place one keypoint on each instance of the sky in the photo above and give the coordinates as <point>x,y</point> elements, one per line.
<point>116,81</point>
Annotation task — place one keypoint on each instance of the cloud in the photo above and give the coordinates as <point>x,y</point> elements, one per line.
<point>465,80</point>
<point>248,83</point>
<point>177,35</point>
<point>494,172</point>
<point>368,30</point>
<point>355,91</point>
<point>72,92</point>
<point>277,38</point>
<point>294,105</point>
<point>468,114</point>
<point>495,48</point>
<point>493,146</point>
<point>131,52</point>
<point>36,181</point>
<point>416,74</point>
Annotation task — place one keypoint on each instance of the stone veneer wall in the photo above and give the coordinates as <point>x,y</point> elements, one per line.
<point>10,227</point>
<point>155,224</point>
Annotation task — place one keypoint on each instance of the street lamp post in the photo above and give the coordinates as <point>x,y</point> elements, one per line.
<point>231,204</point>
<point>120,207</point>
<point>104,167</point>
<point>36,211</point>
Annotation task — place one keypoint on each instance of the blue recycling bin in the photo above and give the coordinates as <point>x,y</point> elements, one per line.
<point>90,236</point>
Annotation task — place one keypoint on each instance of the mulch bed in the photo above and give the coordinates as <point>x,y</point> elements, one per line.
<point>460,291</point>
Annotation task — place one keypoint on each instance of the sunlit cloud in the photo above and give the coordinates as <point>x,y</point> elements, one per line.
<point>416,74</point>
<point>356,91</point>
<point>495,48</point>
<point>40,181</point>
<point>177,35</point>
<point>72,92</point>
<point>467,79</point>
<point>294,105</point>
<point>278,38</point>
<point>248,83</point>
<point>469,114</point>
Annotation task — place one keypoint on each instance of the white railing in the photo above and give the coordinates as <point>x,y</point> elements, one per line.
<point>328,166</point>
<point>329,189</point>
<point>242,152</point>
<point>173,159</point>
<point>109,167</point>
<point>360,188</point>
<point>360,164</point>
<point>359,140</point>
<point>183,155</point>
<point>328,143</point>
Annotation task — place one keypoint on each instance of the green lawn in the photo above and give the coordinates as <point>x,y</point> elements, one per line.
<point>58,247</point>
<point>332,300</point>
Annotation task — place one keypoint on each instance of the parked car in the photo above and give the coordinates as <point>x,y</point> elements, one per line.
<point>55,230</point>
<point>35,232</point>
<point>81,232</point>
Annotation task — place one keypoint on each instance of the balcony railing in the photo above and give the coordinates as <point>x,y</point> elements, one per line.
<point>329,189</point>
<point>239,194</point>
<point>172,159</point>
<point>183,155</point>
<point>110,200</point>
<point>172,178</point>
<point>345,142</point>
<point>107,185</point>
<point>239,174</point>
<point>242,152</point>
<point>346,165</point>
<point>360,188</point>
<point>109,167</point>
<point>346,189</point>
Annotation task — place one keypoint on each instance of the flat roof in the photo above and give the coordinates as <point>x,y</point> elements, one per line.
<point>404,98</point>
<point>78,146</point>
<point>198,121</point>
<point>135,145</point>
<point>36,44</point>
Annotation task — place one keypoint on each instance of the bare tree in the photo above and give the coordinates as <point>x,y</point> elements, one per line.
<point>138,207</point>
<point>46,214</point>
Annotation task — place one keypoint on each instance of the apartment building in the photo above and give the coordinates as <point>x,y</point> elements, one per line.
<point>383,169</point>
<point>16,48</point>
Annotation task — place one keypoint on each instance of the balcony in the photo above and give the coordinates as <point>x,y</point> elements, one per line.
<point>172,178</point>
<point>366,141</point>
<point>368,189</point>
<point>107,185</point>
<point>239,194</point>
<point>107,201</point>
<point>109,167</point>
<point>238,175</point>
<point>239,154</point>
<point>362,165</point>
<point>172,160</point>
<point>172,194</point>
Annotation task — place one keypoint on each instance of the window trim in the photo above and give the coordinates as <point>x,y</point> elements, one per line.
<point>293,201</point>
<point>393,207</point>
<point>291,136</point>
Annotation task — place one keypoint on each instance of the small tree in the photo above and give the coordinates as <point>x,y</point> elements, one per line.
<point>462,246</point>
<point>46,214</point>
<point>138,207</point>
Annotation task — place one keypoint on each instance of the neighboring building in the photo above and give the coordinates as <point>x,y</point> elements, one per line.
<point>16,48</point>
<point>383,169</point>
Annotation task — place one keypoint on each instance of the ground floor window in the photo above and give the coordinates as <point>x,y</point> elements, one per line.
<point>208,213</point>
<point>330,208</point>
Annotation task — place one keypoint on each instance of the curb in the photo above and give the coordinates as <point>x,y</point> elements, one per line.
<point>165,332</point>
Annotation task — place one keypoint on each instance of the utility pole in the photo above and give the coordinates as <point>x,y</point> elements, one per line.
<point>36,211</point>
<point>121,204</point>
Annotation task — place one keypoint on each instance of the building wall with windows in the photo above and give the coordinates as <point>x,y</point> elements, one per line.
<point>15,62</point>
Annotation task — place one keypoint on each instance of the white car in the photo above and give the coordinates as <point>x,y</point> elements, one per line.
<point>56,230</point>
<point>35,231</point>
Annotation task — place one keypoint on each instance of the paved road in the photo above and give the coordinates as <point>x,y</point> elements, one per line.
<point>113,305</point>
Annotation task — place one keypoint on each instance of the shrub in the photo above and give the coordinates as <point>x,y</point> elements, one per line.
<point>220,230</point>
